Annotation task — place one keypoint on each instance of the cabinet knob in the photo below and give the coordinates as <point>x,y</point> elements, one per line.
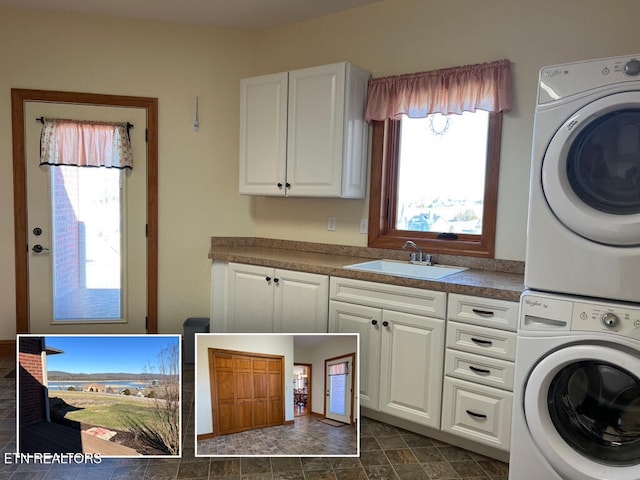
<point>385,324</point>
<point>279,185</point>
<point>276,280</point>
<point>268,279</point>
<point>288,185</point>
<point>374,322</point>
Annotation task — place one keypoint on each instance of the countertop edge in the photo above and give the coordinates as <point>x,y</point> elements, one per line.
<point>483,283</point>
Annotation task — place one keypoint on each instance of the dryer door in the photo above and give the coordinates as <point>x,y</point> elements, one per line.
<point>582,406</point>
<point>591,171</point>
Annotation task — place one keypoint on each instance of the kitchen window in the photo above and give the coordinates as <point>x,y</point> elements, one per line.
<point>435,162</point>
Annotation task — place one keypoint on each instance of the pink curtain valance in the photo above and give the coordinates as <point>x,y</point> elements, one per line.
<point>337,369</point>
<point>85,144</point>
<point>484,86</point>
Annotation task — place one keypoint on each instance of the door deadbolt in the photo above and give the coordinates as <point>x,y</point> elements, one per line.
<point>37,231</point>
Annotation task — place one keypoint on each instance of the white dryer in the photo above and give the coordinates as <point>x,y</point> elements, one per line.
<point>583,234</point>
<point>576,410</point>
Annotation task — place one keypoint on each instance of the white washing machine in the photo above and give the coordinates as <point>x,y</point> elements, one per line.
<point>583,233</point>
<point>576,410</point>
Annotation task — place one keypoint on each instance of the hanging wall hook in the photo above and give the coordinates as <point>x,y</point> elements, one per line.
<point>196,123</point>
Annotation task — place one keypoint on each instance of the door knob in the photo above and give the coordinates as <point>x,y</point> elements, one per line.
<point>37,248</point>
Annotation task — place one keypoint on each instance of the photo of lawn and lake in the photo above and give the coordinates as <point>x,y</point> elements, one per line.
<point>117,395</point>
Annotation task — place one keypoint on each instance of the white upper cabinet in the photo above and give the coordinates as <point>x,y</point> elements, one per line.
<point>302,133</point>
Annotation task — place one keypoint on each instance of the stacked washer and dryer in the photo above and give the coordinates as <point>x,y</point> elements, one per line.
<point>576,413</point>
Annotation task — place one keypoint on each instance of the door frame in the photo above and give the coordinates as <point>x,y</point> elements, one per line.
<point>309,384</point>
<point>353,384</point>
<point>18,99</point>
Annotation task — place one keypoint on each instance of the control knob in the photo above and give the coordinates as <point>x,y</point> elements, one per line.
<point>632,67</point>
<point>609,320</point>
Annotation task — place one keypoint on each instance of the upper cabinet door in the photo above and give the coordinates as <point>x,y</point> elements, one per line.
<point>263,135</point>
<point>303,134</point>
<point>314,144</point>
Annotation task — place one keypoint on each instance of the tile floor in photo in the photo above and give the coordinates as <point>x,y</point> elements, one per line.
<point>387,452</point>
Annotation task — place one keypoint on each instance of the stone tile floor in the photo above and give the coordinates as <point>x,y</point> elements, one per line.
<point>307,436</point>
<point>387,452</point>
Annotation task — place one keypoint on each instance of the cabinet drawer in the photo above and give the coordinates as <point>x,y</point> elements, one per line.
<point>392,297</point>
<point>486,312</point>
<point>481,369</point>
<point>481,340</point>
<point>477,412</point>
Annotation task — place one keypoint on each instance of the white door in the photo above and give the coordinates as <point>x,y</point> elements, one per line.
<point>411,367</point>
<point>263,135</point>
<point>249,299</point>
<point>367,322</point>
<point>581,405</point>
<point>315,130</point>
<point>301,302</point>
<point>591,171</point>
<point>339,389</point>
<point>92,280</point>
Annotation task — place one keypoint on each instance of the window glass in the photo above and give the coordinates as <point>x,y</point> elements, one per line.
<point>441,175</point>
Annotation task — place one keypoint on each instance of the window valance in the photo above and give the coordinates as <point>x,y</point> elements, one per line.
<point>338,369</point>
<point>85,144</point>
<point>484,86</point>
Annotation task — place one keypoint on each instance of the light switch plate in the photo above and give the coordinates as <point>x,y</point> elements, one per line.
<point>364,225</point>
<point>331,223</point>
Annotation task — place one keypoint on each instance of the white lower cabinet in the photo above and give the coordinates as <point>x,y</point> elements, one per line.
<point>478,384</point>
<point>263,299</point>
<point>477,412</point>
<point>401,348</point>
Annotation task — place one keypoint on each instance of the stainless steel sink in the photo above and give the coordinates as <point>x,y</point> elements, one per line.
<point>406,269</point>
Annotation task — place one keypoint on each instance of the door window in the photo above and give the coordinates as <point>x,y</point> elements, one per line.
<point>595,407</point>
<point>87,242</point>
<point>603,164</point>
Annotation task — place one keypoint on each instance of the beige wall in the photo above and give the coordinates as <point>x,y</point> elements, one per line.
<point>404,36</point>
<point>198,171</point>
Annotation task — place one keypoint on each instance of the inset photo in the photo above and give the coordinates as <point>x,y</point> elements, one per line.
<point>113,395</point>
<point>277,395</point>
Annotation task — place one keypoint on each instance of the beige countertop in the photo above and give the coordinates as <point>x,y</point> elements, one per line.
<point>485,278</point>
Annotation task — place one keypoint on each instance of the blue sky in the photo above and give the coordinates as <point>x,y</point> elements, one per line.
<point>106,353</point>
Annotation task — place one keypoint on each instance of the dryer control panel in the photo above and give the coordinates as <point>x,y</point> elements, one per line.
<point>561,81</point>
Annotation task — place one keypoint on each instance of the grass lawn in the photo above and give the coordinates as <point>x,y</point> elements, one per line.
<point>106,410</point>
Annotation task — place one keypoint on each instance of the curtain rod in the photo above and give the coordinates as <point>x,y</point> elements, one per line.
<point>41,120</point>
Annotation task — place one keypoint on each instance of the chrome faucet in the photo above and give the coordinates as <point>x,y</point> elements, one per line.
<point>419,253</point>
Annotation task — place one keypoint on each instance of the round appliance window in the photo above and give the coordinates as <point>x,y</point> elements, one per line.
<point>595,407</point>
<point>591,171</point>
<point>582,409</point>
<point>603,163</point>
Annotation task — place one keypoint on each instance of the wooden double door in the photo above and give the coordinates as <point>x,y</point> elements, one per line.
<point>247,391</point>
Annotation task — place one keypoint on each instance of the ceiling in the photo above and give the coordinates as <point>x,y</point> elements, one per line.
<point>246,14</point>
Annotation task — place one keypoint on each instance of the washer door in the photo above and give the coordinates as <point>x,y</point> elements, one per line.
<point>582,406</point>
<point>591,171</point>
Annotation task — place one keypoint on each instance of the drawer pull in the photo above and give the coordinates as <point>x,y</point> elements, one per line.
<point>482,313</point>
<point>479,371</point>
<point>480,341</point>
<point>476,415</point>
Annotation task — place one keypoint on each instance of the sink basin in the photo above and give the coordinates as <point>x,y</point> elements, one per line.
<point>406,269</point>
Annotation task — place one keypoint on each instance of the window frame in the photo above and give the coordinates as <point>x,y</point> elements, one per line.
<point>385,143</point>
